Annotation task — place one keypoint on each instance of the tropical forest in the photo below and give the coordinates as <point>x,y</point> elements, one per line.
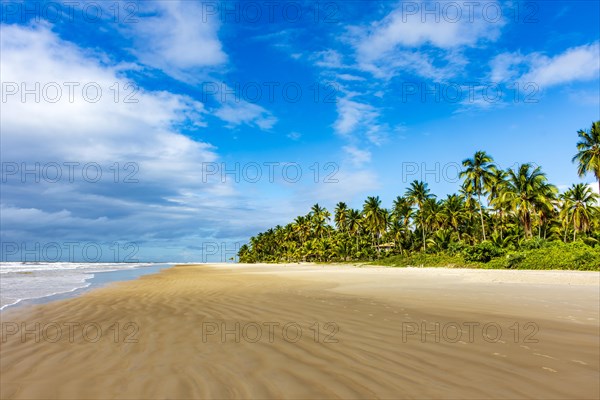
<point>513,218</point>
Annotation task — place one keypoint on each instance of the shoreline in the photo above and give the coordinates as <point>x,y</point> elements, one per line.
<point>365,332</point>
<point>95,280</point>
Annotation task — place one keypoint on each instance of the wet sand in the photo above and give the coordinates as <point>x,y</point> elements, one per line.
<point>310,331</point>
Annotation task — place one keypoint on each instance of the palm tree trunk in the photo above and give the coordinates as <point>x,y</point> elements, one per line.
<point>481,214</point>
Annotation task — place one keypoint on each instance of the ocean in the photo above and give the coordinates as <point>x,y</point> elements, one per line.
<point>34,282</point>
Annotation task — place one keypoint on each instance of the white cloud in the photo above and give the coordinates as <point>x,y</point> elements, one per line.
<point>398,41</point>
<point>81,128</point>
<point>358,157</point>
<point>349,77</point>
<point>574,64</point>
<point>238,113</point>
<point>352,115</point>
<point>171,191</point>
<point>177,37</point>
<point>328,59</point>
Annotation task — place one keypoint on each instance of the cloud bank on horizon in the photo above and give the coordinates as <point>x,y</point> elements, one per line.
<point>178,126</point>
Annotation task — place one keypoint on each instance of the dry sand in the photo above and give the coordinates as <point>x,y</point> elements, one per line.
<point>192,332</point>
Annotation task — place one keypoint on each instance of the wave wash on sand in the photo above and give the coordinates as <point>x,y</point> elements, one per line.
<point>263,331</point>
<point>34,281</point>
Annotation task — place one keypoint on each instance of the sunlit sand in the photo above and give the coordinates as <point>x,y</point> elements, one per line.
<point>299,331</point>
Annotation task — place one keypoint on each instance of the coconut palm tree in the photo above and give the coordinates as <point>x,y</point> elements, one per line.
<point>402,211</point>
<point>495,186</point>
<point>477,174</point>
<point>588,155</point>
<point>417,194</point>
<point>520,201</point>
<point>580,207</point>
<point>527,191</point>
<point>341,217</point>
<point>301,227</point>
<point>319,216</point>
<point>354,224</point>
<point>433,214</point>
<point>374,217</point>
<point>454,211</point>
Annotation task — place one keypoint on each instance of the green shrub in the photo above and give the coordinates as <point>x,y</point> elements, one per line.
<point>425,260</point>
<point>513,260</point>
<point>482,252</point>
<point>533,243</point>
<point>552,255</point>
<point>558,255</point>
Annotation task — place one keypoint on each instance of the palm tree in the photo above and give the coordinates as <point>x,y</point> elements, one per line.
<point>354,224</point>
<point>402,211</point>
<point>320,216</point>
<point>477,174</point>
<point>417,194</point>
<point>301,227</point>
<point>374,217</point>
<point>341,216</point>
<point>527,191</point>
<point>433,213</point>
<point>520,201</point>
<point>454,211</point>
<point>580,207</point>
<point>495,186</point>
<point>588,155</point>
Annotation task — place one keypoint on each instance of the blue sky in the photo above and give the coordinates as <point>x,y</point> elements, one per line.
<point>359,97</point>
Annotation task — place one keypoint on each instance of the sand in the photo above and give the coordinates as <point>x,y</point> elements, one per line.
<point>311,331</point>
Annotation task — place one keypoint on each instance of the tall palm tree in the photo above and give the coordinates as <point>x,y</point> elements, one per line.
<point>374,217</point>
<point>580,207</point>
<point>417,194</point>
<point>527,191</point>
<point>320,216</point>
<point>433,213</point>
<point>454,211</point>
<point>341,217</point>
<point>354,224</point>
<point>588,155</point>
<point>402,211</point>
<point>477,174</point>
<point>495,185</point>
<point>301,228</point>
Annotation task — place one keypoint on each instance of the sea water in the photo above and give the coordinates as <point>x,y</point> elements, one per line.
<point>33,282</point>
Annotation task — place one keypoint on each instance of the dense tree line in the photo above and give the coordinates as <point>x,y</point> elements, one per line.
<point>494,209</point>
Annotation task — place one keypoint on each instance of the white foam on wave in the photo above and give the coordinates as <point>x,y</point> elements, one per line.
<point>7,267</point>
<point>29,281</point>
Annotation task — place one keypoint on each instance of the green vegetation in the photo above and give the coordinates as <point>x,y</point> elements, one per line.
<point>500,218</point>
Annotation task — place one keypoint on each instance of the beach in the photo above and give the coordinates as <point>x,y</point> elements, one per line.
<point>311,331</point>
